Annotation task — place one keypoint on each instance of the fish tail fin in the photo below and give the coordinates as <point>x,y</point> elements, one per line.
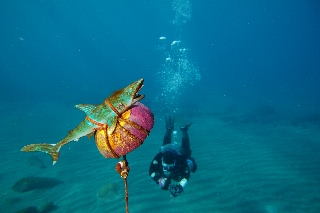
<point>52,149</point>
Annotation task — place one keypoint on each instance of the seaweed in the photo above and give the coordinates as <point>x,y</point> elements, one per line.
<point>31,183</point>
<point>262,115</point>
<point>45,208</point>
<point>36,162</point>
<point>108,191</point>
<point>29,209</point>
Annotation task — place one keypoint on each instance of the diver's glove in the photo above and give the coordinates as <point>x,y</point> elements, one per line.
<point>175,189</point>
<point>164,183</point>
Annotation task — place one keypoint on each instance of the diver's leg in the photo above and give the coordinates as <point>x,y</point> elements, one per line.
<point>169,129</point>
<point>192,164</point>
<point>185,144</point>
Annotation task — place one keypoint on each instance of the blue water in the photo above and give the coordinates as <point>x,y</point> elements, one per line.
<point>249,68</point>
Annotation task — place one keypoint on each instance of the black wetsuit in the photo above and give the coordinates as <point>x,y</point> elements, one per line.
<point>181,169</point>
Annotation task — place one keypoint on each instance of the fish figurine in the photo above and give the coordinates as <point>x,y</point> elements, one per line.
<point>132,129</point>
<point>102,118</point>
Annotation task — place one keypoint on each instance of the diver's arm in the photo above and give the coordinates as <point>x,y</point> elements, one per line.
<point>156,173</point>
<point>176,189</point>
<point>183,182</point>
<point>185,177</point>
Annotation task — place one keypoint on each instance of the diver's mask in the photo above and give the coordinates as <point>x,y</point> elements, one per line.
<point>168,161</point>
<point>168,168</point>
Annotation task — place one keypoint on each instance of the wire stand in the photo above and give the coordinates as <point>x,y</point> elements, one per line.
<point>123,169</point>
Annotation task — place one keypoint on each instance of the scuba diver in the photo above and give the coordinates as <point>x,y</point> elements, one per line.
<point>173,162</point>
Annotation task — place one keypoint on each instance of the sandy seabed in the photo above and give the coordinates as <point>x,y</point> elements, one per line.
<point>242,168</point>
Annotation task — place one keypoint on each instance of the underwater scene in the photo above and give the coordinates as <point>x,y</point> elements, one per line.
<point>160,106</point>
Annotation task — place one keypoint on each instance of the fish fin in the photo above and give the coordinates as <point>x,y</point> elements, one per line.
<point>90,135</point>
<point>86,108</point>
<point>52,149</point>
<point>112,123</point>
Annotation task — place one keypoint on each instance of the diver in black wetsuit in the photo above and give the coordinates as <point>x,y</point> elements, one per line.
<point>173,162</point>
